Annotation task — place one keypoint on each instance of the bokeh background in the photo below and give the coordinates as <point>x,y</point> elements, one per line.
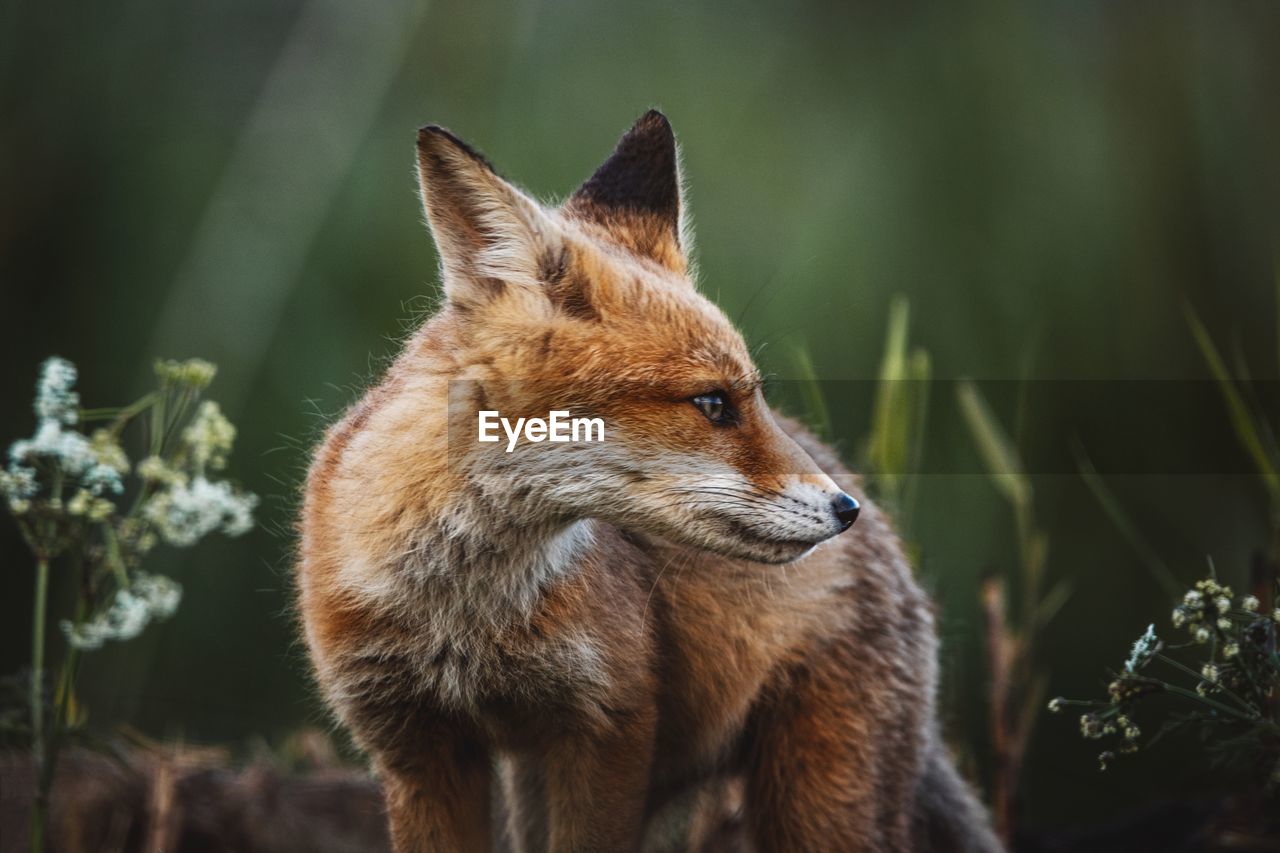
<point>1047,183</point>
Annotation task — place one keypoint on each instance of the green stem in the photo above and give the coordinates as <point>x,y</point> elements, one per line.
<point>37,655</point>
<point>66,689</point>
<point>114,561</point>
<point>40,806</point>
<point>158,426</point>
<point>1200,677</point>
<point>1204,700</point>
<point>123,416</point>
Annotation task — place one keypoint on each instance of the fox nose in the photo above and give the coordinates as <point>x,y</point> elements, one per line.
<point>846,510</point>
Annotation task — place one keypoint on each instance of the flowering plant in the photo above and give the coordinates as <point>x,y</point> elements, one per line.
<point>1231,693</point>
<point>77,497</point>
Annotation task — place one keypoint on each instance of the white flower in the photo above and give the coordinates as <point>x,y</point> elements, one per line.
<point>183,514</point>
<point>55,399</point>
<point>210,436</point>
<point>1223,604</point>
<point>1209,672</point>
<point>18,483</point>
<point>71,452</point>
<point>1224,623</point>
<point>239,509</point>
<point>107,451</point>
<point>1143,648</point>
<point>96,464</point>
<point>1055,704</point>
<point>1193,598</point>
<point>1179,617</point>
<point>148,597</point>
<point>162,594</point>
<point>153,469</point>
<point>1230,650</point>
<point>123,620</point>
<point>80,503</point>
<point>99,479</point>
<point>195,372</point>
<point>1275,615</point>
<point>1202,635</point>
<point>1249,603</point>
<point>52,442</point>
<point>101,509</point>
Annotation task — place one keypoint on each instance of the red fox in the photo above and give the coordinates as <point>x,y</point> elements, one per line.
<point>547,646</point>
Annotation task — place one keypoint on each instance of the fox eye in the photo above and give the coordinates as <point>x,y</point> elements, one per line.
<point>714,407</point>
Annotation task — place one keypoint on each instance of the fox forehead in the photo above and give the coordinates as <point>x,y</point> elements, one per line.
<point>648,327</point>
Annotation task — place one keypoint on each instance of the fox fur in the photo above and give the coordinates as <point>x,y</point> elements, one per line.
<point>599,632</point>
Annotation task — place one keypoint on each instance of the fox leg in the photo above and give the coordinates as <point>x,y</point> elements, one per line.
<point>597,782</point>
<point>823,774</point>
<point>439,798</point>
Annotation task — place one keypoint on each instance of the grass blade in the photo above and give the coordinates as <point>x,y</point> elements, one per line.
<point>1004,465</point>
<point>1111,506</point>
<point>1241,418</point>
<point>815,405</point>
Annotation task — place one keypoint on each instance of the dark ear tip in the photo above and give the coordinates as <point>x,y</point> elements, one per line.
<point>434,134</point>
<point>652,121</point>
<point>433,137</point>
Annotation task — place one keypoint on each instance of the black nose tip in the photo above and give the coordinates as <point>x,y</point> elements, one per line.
<point>846,509</point>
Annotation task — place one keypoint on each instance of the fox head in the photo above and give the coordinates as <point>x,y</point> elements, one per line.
<point>590,307</point>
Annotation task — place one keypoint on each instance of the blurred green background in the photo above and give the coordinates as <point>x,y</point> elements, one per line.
<point>1046,182</point>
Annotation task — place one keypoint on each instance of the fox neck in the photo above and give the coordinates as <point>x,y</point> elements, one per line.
<point>485,541</point>
<point>487,557</point>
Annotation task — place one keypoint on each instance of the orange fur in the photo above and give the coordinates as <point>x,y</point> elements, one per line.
<point>608,624</point>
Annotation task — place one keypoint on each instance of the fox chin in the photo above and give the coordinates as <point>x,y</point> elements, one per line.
<point>590,646</point>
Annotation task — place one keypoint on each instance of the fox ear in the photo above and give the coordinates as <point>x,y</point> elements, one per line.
<point>488,233</point>
<point>635,194</point>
